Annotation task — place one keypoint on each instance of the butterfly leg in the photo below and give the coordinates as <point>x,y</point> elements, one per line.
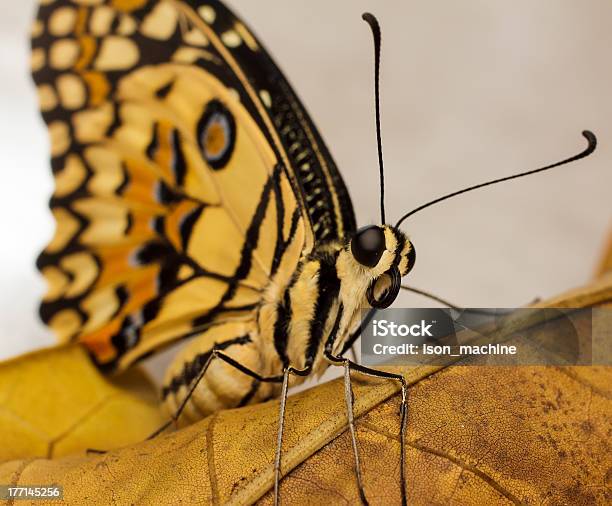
<point>214,354</point>
<point>281,425</point>
<point>349,398</point>
<point>217,354</point>
<point>348,366</point>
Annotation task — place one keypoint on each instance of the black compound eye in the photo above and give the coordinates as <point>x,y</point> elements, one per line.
<point>368,245</point>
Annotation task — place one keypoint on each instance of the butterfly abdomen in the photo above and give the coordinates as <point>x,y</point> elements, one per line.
<point>222,386</point>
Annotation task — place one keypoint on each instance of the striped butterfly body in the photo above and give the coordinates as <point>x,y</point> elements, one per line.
<point>194,198</point>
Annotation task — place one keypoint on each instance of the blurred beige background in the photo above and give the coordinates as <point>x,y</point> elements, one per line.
<point>471,90</point>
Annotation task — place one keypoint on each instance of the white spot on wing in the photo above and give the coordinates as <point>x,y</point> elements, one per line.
<point>37,59</point>
<point>231,38</point>
<point>207,13</point>
<point>195,38</point>
<point>63,53</point>
<point>62,21</point>
<point>265,98</point>
<point>160,24</point>
<point>101,20</point>
<point>127,25</point>
<point>37,28</point>
<point>116,53</point>
<point>131,336</point>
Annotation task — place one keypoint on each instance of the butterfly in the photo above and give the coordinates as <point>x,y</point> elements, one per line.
<point>195,200</point>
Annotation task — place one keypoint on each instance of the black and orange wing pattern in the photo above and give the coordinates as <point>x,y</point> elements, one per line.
<point>188,176</point>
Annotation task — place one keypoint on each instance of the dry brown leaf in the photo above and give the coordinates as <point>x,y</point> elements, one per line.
<point>54,402</point>
<point>476,435</point>
<point>480,435</point>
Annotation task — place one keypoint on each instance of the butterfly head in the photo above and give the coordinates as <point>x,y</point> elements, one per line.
<point>385,255</point>
<point>384,252</point>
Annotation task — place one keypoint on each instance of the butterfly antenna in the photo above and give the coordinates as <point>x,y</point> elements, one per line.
<point>373,22</point>
<point>590,137</point>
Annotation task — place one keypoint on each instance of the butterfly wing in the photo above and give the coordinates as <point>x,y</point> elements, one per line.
<point>322,191</point>
<point>187,174</point>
